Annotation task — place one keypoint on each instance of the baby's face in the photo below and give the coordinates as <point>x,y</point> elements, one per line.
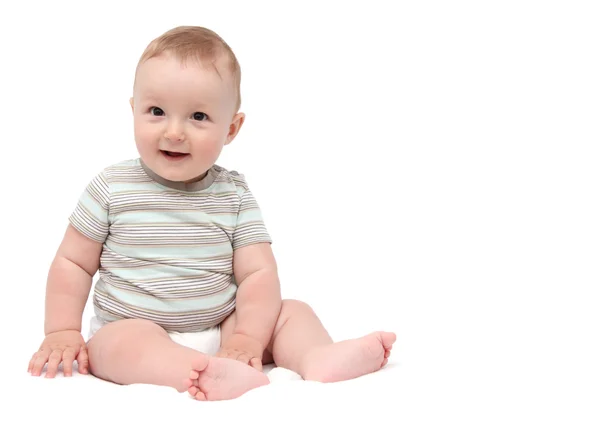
<point>183,116</point>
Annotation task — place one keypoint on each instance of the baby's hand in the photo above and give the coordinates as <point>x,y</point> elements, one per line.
<point>65,346</point>
<point>243,348</point>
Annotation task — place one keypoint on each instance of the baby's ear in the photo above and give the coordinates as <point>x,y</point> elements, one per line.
<point>235,126</point>
<point>131,103</point>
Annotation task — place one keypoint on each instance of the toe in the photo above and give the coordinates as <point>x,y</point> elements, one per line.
<point>387,339</point>
<point>194,375</point>
<point>200,362</point>
<point>193,390</point>
<point>384,363</point>
<point>386,354</point>
<point>200,396</point>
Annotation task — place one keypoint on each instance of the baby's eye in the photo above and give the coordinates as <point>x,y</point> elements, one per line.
<point>156,111</point>
<point>199,116</point>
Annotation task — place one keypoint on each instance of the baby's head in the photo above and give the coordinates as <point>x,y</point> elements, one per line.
<point>185,102</point>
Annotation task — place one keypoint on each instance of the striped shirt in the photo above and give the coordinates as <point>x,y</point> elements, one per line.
<point>167,253</point>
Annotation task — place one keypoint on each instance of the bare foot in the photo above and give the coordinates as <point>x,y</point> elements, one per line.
<point>348,359</point>
<point>222,378</point>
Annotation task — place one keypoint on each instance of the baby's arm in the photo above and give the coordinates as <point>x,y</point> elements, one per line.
<point>68,286</point>
<point>70,281</point>
<point>258,299</point>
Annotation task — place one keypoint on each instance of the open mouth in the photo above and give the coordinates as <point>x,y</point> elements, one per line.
<point>173,155</point>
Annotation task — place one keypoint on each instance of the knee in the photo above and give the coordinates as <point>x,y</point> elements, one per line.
<point>110,339</point>
<point>294,306</point>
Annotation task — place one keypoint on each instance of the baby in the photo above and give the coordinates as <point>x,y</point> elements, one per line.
<point>188,294</point>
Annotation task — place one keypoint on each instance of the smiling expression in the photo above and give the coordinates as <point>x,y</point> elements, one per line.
<point>184,114</point>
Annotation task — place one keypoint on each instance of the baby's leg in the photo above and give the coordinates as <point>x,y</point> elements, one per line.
<point>139,351</point>
<point>301,344</point>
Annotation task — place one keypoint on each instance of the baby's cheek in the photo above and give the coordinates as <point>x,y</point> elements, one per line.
<point>144,136</point>
<point>212,146</point>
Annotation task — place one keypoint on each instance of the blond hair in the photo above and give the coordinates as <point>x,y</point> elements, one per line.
<point>197,43</point>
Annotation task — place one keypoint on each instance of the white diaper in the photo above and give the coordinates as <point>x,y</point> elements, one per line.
<point>207,341</point>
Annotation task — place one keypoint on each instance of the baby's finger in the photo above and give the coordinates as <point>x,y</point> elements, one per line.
<point>83,361</point>
<point>244,358</point>
<point>53,363</point>
<point>40,361</point>
<point>68,358</point>
<point>31,362</point>
<point>256,363</point>
<point>230,354</point>
<point>235,355</point>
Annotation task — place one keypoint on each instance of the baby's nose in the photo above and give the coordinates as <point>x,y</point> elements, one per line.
<point>174,133</point>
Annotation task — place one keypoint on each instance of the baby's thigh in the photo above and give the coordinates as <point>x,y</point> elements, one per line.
<point>122,343</point>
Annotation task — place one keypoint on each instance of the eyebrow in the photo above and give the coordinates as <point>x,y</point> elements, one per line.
<point>154,98</point>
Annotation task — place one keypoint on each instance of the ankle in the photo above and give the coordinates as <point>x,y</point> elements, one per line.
<point>308,365</point>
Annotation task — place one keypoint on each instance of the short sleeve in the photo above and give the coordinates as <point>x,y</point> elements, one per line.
<point>90,216</point>
<point>250,227</point>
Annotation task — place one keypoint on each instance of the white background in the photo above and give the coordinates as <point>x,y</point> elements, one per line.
<point>429,168</point>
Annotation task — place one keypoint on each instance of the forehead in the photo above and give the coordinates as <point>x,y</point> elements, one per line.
<point>166,75</point>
